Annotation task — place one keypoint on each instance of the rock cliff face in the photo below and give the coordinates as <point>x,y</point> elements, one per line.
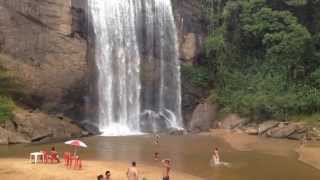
<point>45,45</point>
<point>191,33</point>
<point>32,126</point>
<point>47,50</point>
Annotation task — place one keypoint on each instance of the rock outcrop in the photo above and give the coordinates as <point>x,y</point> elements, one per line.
<point>44,44</point>
<point>265,126</point>
<point>8,137</point>
<point>45,50</point>
<point>271,128</point>
<point>203,117</point>
<point>285,130</point>
<point>27,127</point>
<point>232,121</point>
<point>191,33</point>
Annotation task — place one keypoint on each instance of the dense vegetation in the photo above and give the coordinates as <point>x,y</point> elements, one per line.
<point>262,57</point>
<point>8,88</point>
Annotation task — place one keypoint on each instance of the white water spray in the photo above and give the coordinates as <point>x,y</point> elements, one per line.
<point>132,36</point>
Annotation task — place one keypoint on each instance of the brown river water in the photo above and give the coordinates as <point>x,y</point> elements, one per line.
<point>189,154</point>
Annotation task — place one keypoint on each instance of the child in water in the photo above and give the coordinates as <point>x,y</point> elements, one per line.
<point>215,160</point>
<point>216,157</point>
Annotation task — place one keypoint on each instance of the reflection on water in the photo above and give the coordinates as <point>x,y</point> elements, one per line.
<point>190,154</point>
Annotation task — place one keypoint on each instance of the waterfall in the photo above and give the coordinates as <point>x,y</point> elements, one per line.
<point>136,55</point>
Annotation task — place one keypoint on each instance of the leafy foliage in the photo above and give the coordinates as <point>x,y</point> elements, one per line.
<point>198,75</point>
<point>6,107</point>
<point>265,63</point>
<point>8,88</point>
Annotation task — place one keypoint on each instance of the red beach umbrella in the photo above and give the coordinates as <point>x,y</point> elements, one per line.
<point>76,144</point>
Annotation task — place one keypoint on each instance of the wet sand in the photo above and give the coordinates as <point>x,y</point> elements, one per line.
<point>16,169</point>
<point>309,154</point>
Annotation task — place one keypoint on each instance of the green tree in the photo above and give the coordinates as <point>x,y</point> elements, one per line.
<point>265,62</point>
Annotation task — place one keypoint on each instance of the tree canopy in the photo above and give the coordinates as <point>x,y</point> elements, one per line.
<point>264,59</point>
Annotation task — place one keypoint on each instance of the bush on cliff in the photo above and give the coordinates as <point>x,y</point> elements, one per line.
<point>6,108</point>
<point>8,88</point>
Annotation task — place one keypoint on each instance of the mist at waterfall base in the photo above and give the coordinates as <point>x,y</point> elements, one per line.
<point>136,54</point>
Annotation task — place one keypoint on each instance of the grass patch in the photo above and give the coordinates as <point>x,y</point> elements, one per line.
<point>6,108</point>
<point>310,119</point>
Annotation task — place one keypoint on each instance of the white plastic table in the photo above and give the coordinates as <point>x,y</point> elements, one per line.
<point>36,155</point>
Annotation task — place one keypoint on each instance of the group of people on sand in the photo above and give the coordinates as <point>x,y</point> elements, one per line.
<point>52,155</point>
<point>133,174</point>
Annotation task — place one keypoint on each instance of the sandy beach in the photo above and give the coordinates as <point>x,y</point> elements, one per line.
<point>309,154</point>
<point>16,169</point>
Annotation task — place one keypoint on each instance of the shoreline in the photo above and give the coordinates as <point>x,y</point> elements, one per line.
<point>308,154</point>
<point>14,168</point>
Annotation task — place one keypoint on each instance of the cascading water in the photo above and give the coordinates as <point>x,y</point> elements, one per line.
<point>136,56</point>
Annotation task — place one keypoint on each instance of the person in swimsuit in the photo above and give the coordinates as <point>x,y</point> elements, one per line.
<point>108,175</point>
<point>216,156</point>
<point>166,163</point>
<point>54,156</point>
<point>100,177</point>
<point>132,172</point>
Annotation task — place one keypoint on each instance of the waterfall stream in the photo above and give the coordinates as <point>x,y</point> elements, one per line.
<point>136,54</point>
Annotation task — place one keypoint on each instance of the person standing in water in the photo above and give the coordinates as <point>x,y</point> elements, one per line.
<point>166,163</point>
<point>156,141</point>
<point>132,172</point>
<point>216,156</point>
<point>156,156</point>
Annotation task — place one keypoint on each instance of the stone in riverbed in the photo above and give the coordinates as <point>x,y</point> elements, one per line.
<point>285,131</point>
<point>90,128</point>
<point>265,126</point>
<point>251,131</point>
<point>296,136</point>
<point>176,132</point>
<point>8,137</point>
<point>232,121</point>
<point>202,117</point>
